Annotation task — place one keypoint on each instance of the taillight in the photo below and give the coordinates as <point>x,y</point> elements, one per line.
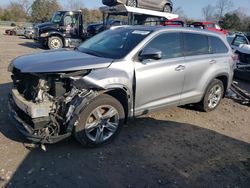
<point>235,59</point>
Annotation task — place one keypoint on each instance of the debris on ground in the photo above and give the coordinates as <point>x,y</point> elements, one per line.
<point>239,94</point>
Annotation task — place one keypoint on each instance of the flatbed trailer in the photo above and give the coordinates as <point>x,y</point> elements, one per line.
<point>135,16</point>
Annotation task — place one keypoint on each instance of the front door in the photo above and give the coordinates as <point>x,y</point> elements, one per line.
<point>151,3</point>
<point>159,82</point>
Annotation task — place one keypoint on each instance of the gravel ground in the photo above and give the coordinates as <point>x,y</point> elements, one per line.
<point>178,147</point>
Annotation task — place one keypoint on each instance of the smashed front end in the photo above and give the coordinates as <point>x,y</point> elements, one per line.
<point>44,106</point>
<point>243,65</point>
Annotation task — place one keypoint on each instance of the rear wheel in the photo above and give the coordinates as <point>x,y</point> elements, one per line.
<point>55,43</point>
<point>167,8</point>
<point>100,121</point>
<point>213,96</point>
<point>132,3</point>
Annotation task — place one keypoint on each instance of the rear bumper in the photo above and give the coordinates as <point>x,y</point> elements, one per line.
<point>26,129</point>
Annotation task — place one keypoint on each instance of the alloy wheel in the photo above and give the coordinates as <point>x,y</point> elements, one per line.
<point>215,96</point>
<point>102,123</point>
<point>132,3</point>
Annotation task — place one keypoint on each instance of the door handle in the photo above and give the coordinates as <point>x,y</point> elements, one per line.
<point>213,61</point>
<point>180,68</point>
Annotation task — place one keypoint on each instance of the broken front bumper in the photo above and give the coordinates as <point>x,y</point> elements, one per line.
<point>24,123</point>
<point>41,40</point>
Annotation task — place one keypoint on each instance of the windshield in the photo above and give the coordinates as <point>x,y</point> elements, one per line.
<point>57,17</point>
<point>114,43</point>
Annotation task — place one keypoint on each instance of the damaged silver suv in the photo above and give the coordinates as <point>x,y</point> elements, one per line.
<point>124,72</point>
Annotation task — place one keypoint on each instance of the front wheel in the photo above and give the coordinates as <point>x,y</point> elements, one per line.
<point>100,121</point>
<point>167,8</point>
<point>55,42</point>
<point>132,3</point>
<point>213,96</point>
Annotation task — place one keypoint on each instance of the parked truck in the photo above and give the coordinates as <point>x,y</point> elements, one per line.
<point>64,30</point>
<point>66,27</point>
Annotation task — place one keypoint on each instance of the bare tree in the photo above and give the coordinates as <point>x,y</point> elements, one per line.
<point>208,12</point>
<point>180,12</point>
<point>26,4</point>
<point>222,7</point>
<point>75,5</point>
<point>241,12</point>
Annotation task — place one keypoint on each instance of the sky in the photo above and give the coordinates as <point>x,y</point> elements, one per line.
<point>192,8</point>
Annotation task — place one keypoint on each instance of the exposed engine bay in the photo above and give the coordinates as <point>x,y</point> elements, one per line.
<point>46,104</point>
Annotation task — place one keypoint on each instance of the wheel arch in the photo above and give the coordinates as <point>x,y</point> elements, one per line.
<point>224,78</point>
<point>123,96</point>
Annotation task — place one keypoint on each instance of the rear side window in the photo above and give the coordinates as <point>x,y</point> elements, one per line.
<point>217,46</point>
<point>195,44</point>
<point>168,43</point>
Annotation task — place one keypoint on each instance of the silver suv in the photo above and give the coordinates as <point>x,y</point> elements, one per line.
<point>118,74</point>
<point>159,5</point>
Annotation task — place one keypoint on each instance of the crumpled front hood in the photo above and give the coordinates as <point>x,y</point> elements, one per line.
<point>59,61</point>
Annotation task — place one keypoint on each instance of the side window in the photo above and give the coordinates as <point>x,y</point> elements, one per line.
<point>195,44</point>
<point>71,20</point>
<point>217,46</point>
<point>239,40</point>
<point>67,20</point>
<point>168,43</point>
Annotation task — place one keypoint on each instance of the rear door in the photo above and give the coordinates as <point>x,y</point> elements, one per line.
<point>155,4</point>
<point>159,82</point>
<point>198,61</point>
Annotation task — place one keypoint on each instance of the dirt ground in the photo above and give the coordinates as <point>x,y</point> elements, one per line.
<point>178,147</point>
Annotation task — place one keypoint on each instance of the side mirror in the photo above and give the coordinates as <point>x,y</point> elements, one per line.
<point>150,53</point>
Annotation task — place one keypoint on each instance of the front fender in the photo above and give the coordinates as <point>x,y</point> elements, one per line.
<point>55,33</point>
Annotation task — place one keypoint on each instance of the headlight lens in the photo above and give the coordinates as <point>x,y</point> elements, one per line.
<point>44,34</point>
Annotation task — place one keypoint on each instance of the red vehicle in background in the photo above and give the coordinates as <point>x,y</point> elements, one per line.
<point>211,26</point>
<point>174,22</point>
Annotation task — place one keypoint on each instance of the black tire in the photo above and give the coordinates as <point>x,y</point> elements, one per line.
<point>55,42</point>
<point>85,135</point>
<point>207,104</point>
<point>167,8</point>
<point>131,3</point>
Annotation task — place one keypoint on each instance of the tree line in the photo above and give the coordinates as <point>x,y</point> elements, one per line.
<point>224,12</point>
<point>38,11</point>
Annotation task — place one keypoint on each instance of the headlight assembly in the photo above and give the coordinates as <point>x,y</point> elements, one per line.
<point>44,34</point>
